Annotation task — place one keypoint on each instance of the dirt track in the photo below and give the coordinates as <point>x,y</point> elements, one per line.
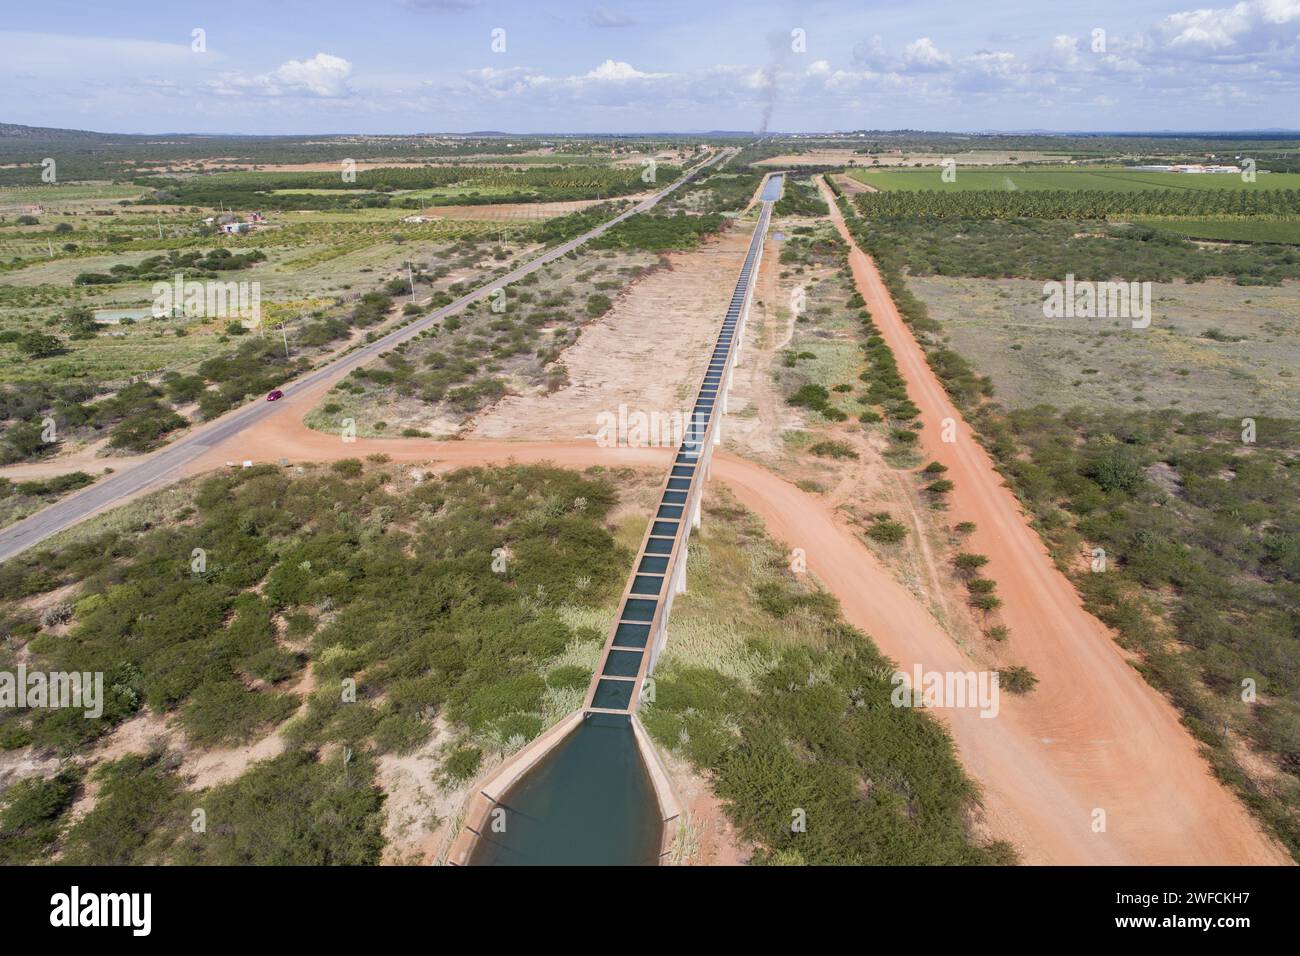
<point>1109,740</point>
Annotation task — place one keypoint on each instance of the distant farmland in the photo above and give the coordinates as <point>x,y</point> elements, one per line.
<point>1229,230</point>
<point>1110,180</point>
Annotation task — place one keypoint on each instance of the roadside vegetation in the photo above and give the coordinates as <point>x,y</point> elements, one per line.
<point>723,189</point>
<point>659,233</point>
<point>21,498</point>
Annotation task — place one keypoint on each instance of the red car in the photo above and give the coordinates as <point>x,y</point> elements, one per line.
<point>274,395</point>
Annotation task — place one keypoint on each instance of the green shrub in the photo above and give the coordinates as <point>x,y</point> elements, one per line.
<point>833,449</point>
<point>32,816</point>
<point>138,812</point>
<point>887,532</point>
<point>463,764</point>
<point>968,563</point>
<point>1016,680</point>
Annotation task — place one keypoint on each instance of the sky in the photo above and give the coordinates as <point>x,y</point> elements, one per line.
<point>420,66</point>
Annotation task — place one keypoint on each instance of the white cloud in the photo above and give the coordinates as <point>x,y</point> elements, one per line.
<point>923,54</point>
<point>619,71</point>
<point>1065,51</point>
<point>1251,26</point>
<point>323,75</point>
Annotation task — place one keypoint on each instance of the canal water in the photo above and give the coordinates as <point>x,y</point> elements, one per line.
<point>590,802</point>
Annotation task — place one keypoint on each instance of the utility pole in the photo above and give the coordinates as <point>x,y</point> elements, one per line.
<point>410,278</point>
<point>285,333</point>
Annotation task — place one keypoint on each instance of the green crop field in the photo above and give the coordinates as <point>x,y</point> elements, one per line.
<point>1229,230</point>
<point>70,192</point>
<point>1110,180</point>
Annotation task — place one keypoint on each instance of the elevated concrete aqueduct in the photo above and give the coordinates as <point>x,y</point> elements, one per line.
<point>640,628</point>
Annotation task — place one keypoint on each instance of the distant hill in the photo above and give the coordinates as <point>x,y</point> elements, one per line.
<point>17,133</point>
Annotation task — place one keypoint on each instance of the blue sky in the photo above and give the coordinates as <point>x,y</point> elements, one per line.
<point>405,66</point>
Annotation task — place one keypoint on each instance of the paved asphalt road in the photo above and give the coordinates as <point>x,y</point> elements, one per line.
<point>104,493</point>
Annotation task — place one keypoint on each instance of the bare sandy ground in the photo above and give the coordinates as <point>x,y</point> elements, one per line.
<point>711,839</point>
<point>1093,735</point>
<point>648,352</point>
<point>851,186</point>
<point>87,458</point>
<point>758,415</point>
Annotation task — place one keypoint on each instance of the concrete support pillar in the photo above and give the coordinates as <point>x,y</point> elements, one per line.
<point>723,403</point>
<point>695,514</point>
<point>717,431</point>
<point>660,638</point>
<point>680,574</point>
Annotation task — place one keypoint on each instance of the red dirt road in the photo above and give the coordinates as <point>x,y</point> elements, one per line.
<point>1092,734</point>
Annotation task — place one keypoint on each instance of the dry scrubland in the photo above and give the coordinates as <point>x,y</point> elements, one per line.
<point>648,352</point>
<point>1212,346</point>
<point>481,356</point>
<point>237,704</point>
